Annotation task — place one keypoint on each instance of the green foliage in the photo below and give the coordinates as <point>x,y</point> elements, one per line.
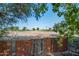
<point>25,29</point>
<point>37,28</point>
<point>13,28</point>
<point>2,33</point>
<point>70,13</point>
<point>39,10</point>
<point>33,29</point>
<point>66,30</point>
<point>50,29</point>
<point>70,27</point>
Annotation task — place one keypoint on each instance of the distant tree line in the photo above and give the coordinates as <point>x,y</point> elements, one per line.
<point>16,28</point>
<point>49,29</point>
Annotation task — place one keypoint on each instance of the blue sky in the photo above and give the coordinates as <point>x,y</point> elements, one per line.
<point>46,21</point>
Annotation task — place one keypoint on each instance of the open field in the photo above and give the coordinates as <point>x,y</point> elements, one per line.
<point>32,33</point>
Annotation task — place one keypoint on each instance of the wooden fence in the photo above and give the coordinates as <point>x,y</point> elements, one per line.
<point>33,47</point>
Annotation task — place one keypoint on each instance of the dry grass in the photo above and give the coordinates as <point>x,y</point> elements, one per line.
<point>32,33</point>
